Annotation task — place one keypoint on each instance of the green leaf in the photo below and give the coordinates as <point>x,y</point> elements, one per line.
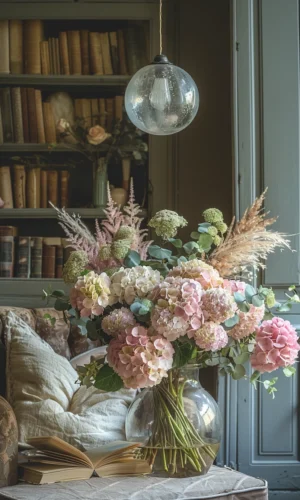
<point>242,358</point>
<point>132,259</point>
<point>231,322</point>
<point>213,361</point>
<point>205,241</point>
<point>190,246</point>
<point>173,261</point>
<point>202,228</point>
<point>181,259</point>
<point>159,253</point>
<point>249,292</point>
<point>286,307</point>
<point>108,380</point>
<point>292,287</point>
<point>254,377</point>
<point>257,301</point>
<point>183,353</point>
<point>92,330</point>
<point>239,372</point>
<point>50,318</point>
<point>239,297</point>
<point>175,242</point>
<point>268,315</point>
<point>58,293</point>
<point>195,235</point>
<point>61,305</point>
<point>289,371</point>
<point>243,306</point>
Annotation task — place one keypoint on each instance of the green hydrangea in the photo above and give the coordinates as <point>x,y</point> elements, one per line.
<point>270,299</point>
<point>217,240</point>
<point>125,233</point>
<point>105,252</point>
<point>74,267</point>
<point>87,373</point>
<point>213,215</point>
<point>166,223</point>
<point>120,248</point>
<point>212,231</point>
<point>111,270</point>
<point>221,226</point>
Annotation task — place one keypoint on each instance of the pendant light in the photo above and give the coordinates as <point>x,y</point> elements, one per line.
<point>161,99</point>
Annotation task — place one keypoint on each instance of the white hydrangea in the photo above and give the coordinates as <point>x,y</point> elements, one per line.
<point>136,282</point>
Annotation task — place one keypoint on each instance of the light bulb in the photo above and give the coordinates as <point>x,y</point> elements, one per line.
<point>161,99</point>
<point>160,96</point>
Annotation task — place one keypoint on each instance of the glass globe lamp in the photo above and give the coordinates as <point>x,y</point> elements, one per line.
<point>161,99</point>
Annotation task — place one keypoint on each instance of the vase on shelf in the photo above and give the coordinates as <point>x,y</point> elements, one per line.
<point>178,423</point>
<point>100,183</point>
<point>119,196</point>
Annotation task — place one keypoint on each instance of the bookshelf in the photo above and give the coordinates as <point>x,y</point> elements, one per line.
<point>94,16</point>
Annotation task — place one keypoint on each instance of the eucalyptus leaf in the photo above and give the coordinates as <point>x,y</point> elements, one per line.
<point>108,380</point>
<point>242,358</point>
<point>176,242</point>
<point>231,322</point>
<point>239,297</point>
<point>249,292</point>
<point>243,306</point>
<point>181,259</point>
<point>286,307</point>
<point>190,247</point>
<point>132,259</point>
<point>257,301</point>
<point>195,235</point>
<point>183,353</point>
<point>205,241</point>
<point>159,253</point>
<point>239,372</point>
<point>203,227</point>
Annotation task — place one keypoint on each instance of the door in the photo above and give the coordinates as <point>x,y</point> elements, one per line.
<point>261,434</point>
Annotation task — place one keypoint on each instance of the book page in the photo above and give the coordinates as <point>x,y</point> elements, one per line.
<point>56,445</point>
<point>109,452</point>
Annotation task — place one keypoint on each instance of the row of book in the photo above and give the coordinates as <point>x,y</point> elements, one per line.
<point>33,187</point>
<point>31,256</point>
<point>76,52</point>
<point>26,118</point>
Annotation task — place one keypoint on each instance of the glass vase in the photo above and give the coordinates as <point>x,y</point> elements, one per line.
<point>100,183</point>
<point>178,423</point>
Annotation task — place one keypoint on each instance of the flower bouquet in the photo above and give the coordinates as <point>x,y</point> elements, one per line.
<point>160,310</point>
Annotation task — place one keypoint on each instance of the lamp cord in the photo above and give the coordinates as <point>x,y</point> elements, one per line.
<point>160,27</point>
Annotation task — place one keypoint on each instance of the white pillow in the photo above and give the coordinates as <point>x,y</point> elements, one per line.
<point>42,389</point>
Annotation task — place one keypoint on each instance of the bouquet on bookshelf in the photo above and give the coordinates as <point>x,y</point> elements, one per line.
<point>159,310</point>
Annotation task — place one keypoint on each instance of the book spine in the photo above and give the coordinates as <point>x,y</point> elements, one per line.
<point>5,187</point>
<point>122,53</point>
<point>64,188</point>
<point>45,61</point>
<point>105,48</point>
<point>1,128</point>
<point>17,115</point>
<point>19,186</point>
<point>8,231</point>
<point>110,113</point>
<point>102,112</point>
<point>59,262</point>
<point>23,257</point>
<point>85,55</point>
<point>49,123</point>
<point>113,39</point>
<point>33,187</point>
<point>87,112</point>
<point>132,49</point>
<point>16,46</point>
<point>44,198</point>
<point>119,104</point>
<point>64,53</point>
<point>36,257</point>
<point>39,117</point>
<point>7,249</point>
<point>48,261</point>
<point>4,44</point>
<point>33,134</point>
<point>96,54</point>
<point>95,111</point>
<point>52,186</point>
<point>67,252</point>
<point>75,52</point>
<point>33,35</point>
<point>51,57</point>
<point>57,56</point>
<point>25,116</point>
<point>7,117</point>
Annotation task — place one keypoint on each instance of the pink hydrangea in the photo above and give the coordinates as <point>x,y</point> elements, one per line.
<point>117,321</point>
<point>276,345</point>
<point>196,269</point>
<point>177,307</point>
<point>218,305</point>
<point>140,360</point>
<point>210,337</point>
<point>248,322</point>
<point>235,286</point>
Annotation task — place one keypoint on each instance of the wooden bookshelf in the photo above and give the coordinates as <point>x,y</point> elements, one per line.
<point>114,82</point>
<point>49,213</point>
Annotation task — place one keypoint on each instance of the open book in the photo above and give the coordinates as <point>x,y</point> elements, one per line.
<point>54,460</point>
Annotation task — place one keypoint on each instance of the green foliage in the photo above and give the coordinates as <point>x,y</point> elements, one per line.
<point>175,242</point>
<point>203,227</point>
<point>159,253</point>
<point>249,293</point>
<point>184,352</point>
<point>195,235</point>
<point>132,259</point>
<point>289,371</point>
<point>269,385</point>
<point>231,322</point>
<point>50,318</point>
<point>141,307</point>
<point>238,372</point>
<point>61,305</point>
<point>205,242</point>
<point>190,247</point>
<point>108,380</point>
